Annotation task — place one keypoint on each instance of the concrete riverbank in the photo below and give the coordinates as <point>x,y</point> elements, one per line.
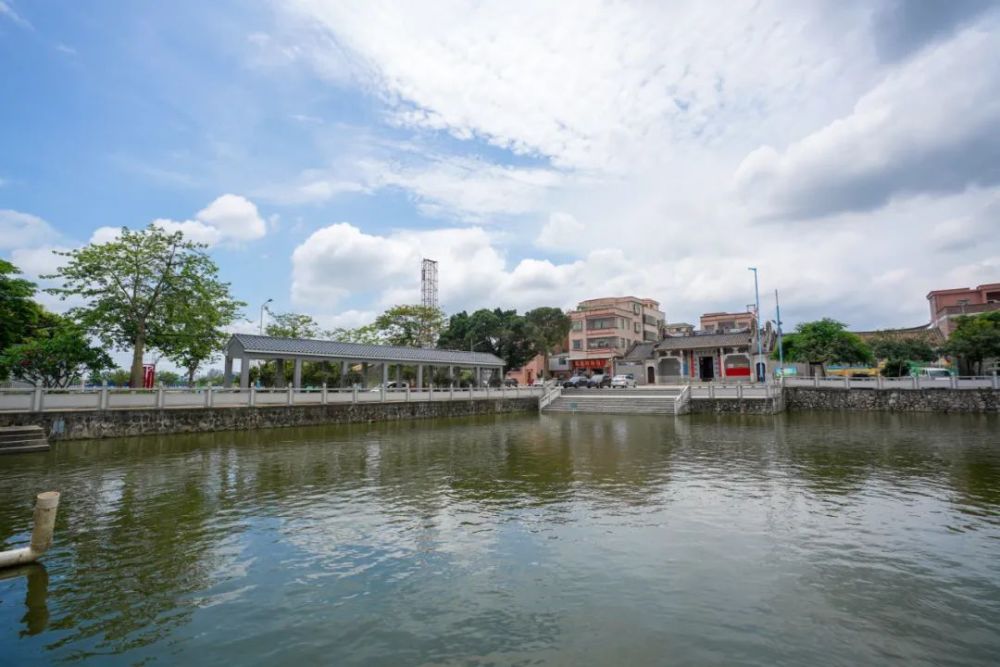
<point>978,401</point>
<point>88,424</point>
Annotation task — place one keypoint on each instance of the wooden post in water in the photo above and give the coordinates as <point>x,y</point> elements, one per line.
<point>46,505</point>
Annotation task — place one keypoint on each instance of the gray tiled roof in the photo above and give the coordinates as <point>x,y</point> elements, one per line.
<point>304,347</point>
<point>705,340</point>
<point>639,352</point>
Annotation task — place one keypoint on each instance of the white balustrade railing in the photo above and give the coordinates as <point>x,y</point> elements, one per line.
<point>909,382</point>
<point>109,398</point>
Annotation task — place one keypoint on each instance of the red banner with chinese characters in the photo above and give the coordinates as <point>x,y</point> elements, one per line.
<point>148,376</point>
<point>590,363</point>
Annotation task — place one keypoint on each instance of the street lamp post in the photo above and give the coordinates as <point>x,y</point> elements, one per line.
<point>263,307</point>
<point>781,352</point>
<point>760,350</point>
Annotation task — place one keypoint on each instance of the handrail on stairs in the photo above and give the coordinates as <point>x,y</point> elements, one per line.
<point>682,399</point>
<point>550,393</point>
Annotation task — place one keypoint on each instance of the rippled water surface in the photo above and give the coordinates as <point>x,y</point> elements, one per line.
<point>823,539</point>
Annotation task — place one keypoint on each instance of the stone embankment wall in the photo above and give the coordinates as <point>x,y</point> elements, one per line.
<point>740,406</point>
<point>893,400</point>
<point>86,424</point>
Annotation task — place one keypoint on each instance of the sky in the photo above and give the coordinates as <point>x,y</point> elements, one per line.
<point>542,152</point>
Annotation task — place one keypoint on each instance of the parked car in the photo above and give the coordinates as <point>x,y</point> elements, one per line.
<point>623,381</point>
<point>599,381</point>
<point>575,382</point>
<point>392,386</point>
<point>934,373</point>
<point>539,382</point>
<point>510,382</point>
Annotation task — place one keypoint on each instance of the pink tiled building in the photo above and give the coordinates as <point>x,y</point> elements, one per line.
<point>948,304</point>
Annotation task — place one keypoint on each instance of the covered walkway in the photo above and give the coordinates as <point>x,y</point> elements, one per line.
<point>247,347</point>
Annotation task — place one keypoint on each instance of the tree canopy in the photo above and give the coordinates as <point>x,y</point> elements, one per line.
<point>825,342</point>
<point>141,290</point>
<point>19,314</point>
<point>55,357</point>
<point>292,325</point>
<point>503,333</point>
<point>547,328</point>
<point>899,352</point>
<point>975,339</point>
<point>410,326</point>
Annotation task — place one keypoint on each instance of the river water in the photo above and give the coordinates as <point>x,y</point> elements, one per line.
<point>804,539</point>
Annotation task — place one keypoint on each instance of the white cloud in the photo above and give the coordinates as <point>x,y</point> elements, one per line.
<point>929,127</point>
<point>228,219</point>
<point>561,231</point>
<point>19,230</point>
<point>7,10</point>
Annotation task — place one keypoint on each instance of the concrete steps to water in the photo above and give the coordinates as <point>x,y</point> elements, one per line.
<point>22,439</point>
<point>615,402</point>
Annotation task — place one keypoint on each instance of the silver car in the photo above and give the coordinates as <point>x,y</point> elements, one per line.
<point>626,381</point>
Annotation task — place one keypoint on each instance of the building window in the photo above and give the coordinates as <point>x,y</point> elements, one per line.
<point>603,323</point>
<point>578,325</point>
<point>635,327</point>
<point>577,344</point>
<point>636,308</point>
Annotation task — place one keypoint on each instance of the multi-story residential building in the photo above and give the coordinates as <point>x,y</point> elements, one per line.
<point>604,329</point>
<point>948,304</point>
<point>727,322</point>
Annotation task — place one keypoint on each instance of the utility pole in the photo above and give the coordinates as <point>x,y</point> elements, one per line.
<point>781,352</point>
<point>263,307</point>
<point>760,350</point>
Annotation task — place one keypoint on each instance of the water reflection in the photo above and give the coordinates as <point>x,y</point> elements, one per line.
<point>534,539</point>
<point>36,580</point>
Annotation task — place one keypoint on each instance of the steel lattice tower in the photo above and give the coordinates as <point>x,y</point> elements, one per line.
<point>429,283</point>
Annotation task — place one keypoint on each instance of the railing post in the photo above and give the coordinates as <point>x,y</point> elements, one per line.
<point>847,382</point>
<point>451,392</point>
<point>253,395</point>
<point>36,400</point>
<point>711,391</point>
<point>159,397</point>
<point>879,382</point>
<point>471,389</point>
<point>487,391</point>
<point>407,399</point>
<point>290,399</point>
<point>354,394</point>
<point>816,381</point>
<point>208,396</point>
<point>996,380</point>
<point>104,396</point>
<point>953,382</point>
<point>915,382</point>
<point>322,395</point>
<point>382,393</point>
<point>739,391</point>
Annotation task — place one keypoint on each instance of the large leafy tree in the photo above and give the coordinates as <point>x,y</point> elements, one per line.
<point>898,352</point>
<point>55,357</point>
<point>366,334</point>
<point>201,333</point>
<point>410,326</point>
<point>292,325</point>
<point>19,314</point>
<point>547,327</point>
<point>825,342</point>
<point>974,340</point>
<point>503,333</point>
<point>135,286</point>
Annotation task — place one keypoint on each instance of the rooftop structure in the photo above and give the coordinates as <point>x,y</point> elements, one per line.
<point>946,305</point>
<point>246,347</point>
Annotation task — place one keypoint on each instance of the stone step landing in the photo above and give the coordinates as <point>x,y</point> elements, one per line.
<point>628,404</point>
<point>22,439</point>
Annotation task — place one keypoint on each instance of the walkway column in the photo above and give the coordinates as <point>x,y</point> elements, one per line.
<point>479,377</point>
<point>451,376</point>
<point>227,374</point>
<point>420,376</point>
<point>343,374</point>
<point>297,374</point>
<point>399,372</point>
<point>385,373</point>
<point>279,373</point>
<point>244,372</point>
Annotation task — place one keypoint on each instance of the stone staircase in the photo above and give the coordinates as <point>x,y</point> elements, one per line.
<point>616,401</point>
<point>22,439</point>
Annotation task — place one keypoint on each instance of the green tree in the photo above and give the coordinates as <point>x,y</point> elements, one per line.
<point>168,378</point>
<point>410,326</point>
<point>500,332</point>
<point>55,357</point>
<point>19,314</point>
<point>899,352</point>
<point>119,377</point>
<point>201,322</point>
<point>134,284</point>
<point>824,342</point>
<point>292,325</point>
<point>974,340</point>
<point>366,334</point>
<point>547,327</point>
